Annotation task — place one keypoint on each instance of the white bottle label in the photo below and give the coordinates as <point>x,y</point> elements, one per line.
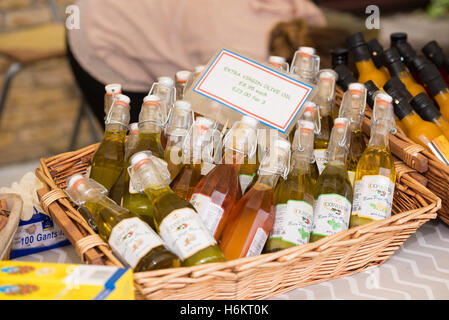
<point>293,222</point>
<point>132,239</point>
<point>245,181</point>
<point>320,158</point>
<point>210,212</point>
<point>258,243</point>
<point>184,233</point>
<point>331,213</point>
<point>373,197</point>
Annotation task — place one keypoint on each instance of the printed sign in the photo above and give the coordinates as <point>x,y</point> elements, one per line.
<point>253,89</point>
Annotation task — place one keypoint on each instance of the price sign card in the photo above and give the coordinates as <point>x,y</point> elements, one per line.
<point>251,88</point>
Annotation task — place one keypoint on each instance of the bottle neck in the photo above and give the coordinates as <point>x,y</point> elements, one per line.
<point>379,134</point>
<point>269,180</point>
<point>300,162</point>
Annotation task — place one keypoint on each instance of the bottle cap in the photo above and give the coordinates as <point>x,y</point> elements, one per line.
<point>328,74</point>
<point>166,81</point>
<point>401,106</point>
<point>306,125</point>
<point>356,88</point>
<point>376,50</point>
<point>182,76</point>
<point>406,51</point>
<point>74,181</point>
<point>199,68</point>
<point>418,62</point>
<point>276,59</point>
<point>392,61</point>
<point>434,52</point>
<point>205,122</point>
<point>371,90</point>
<point>355,40</point>
<point>395,86</point>
<point>123,98</point>
<point>345,76</point>
<point>113,88</point>
<point>339,56</point>
<point>139,156</point>
<point>397,37</point>
<point>425,107</point>
<point>309,106</point>
<point>250,121</point>
<point>152,97</point>
<point>383,98</point>
<point>307,50</point>
<point>183,105</point>
<point>340,123</point>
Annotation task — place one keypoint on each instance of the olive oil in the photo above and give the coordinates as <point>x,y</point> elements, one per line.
<point>305,64</point>
<point>252,218</point>
<point>108,161</point>
<point>353,108</point>
<point>219,190</point>
<point>176,221</point>
<point>293,197</point>
<point>311,114</point>
<point>376,175</point>
<point>324,100</point>
<point>112,90</point>
<point>333,191</point>
<point>131,239</point>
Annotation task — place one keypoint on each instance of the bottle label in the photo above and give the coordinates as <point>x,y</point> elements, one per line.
<point>331,213</point>
<point>245,181</point>
<point>210,212</point>
<point>320,158</point>
<point>373,197</point>
<point>132,239</point>
<point>184,233</point>
<point>440,148</point>
<point>293,222</point>
<point>258,243</point>
<point>351,175</point>
<point>206,168</point>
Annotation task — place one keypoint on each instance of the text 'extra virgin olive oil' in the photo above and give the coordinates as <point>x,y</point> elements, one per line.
<point>333,190</point>
<point>293,197</point>
<point>177,222</point>
<point>131,239</point>
<point>376,175</point>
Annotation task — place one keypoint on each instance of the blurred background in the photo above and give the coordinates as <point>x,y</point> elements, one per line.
<point>42,115</point>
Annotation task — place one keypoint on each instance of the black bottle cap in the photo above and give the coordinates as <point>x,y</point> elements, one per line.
<point>339,56</point>
<point>392,61</point>
<point>355,40</point>
<point>430,75</point>
<point>419,62</point>
<point>345,76</point>
<point>425,107</point>
<point>371,89</point>
<point>397,37</point>
<point>434,53</point>
<point>358,47</point>
<point>406,51</point>
<point>401,106</point>
<point>396,84</point>
<point>376,49</point>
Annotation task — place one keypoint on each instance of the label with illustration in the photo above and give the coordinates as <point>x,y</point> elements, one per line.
<point>320,158</point>
<point>440,148</point>
<point>245,181</point>
<point>184,233</point>
<point>258,243</point>
<point>132,239</point>
<point>331,213</point>
<point>373,197</point>
<point>210,212</point>
<point>293,222</point>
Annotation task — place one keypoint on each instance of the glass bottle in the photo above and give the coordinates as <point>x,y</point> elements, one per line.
<point>150,124</point>
<point>324,99</point>
<point>363,62</point>
<point>345,77</point>
<point>438,88</point>
<point>219,190</point>
<point>353,108</point>
<point>435,53</point>
<point>176,221</point>
<point>278,63</point>
<point>197,138</point>
<point>376,174</point>
<point>376,50</point>
<point>179,122</point>
<point>131,239</point>
<point>293,197</point>
<point>108,161</point>
<point>252,217</point>
<point>112,90</point>
<point>339,56</point>
<point>427,110</point>
<point>310,114</point>
<point>333,190</point>
<point>181,78</point>
<point>305,64</point>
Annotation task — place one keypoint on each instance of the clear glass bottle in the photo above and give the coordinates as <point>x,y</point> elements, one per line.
<point>219,190</point>
<point>131,239</point>
<point>311,114</point>
<point>108,161</point>
<point>112,90</point>
<point>293,197</point>
<point>353,108</point>
<point>176,221</point>
<point>252,217</point>
<point>278,63</point>
<point>333,191</point>
<point>164,88</point>
<point>305,64</point>
<point>181,78</point>
<point>376,174</point>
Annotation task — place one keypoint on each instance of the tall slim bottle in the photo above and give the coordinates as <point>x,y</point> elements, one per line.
<point>376,50</point>
<point>278,63</point>
<point>333,190</point>
<point>112,90</point>
<point>353,108</point>
<point>305,64</point>
<point>108,161</point>
<point>427,110</point>
<point>131,239</point>
<point>252,217</point>
<point>176,221</point>
<point>181,78</point>
<point>310,114</point>
<point>293,197</point>
<point>438,88</point>
<point>435,54</point>
<point>219,190</point>
<point>324,99</point>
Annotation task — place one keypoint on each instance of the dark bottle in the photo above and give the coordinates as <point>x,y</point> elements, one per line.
<point>397,37</point>
<point>427,110</point>
<point>339,56</point>
<point>398,86</point>
<point>435,54</point>
<point>345,76</point>
<point>376,50</point>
